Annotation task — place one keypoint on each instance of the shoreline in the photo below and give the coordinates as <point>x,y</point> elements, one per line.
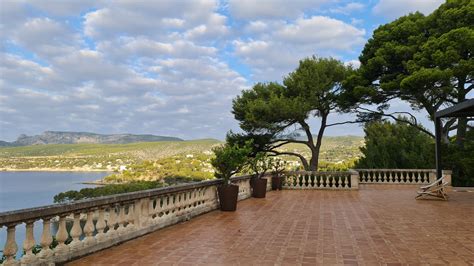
<point>53,170</point>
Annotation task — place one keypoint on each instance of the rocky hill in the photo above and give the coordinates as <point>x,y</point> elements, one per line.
<point>61,137</point>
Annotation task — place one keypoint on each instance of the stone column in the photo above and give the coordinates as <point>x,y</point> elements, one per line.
<point>447,174</point>
<point>354,179</point>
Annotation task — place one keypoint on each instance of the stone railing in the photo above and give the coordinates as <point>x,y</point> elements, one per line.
<point>400,176</point>
<point>321,180</point>
<point>87,226</point>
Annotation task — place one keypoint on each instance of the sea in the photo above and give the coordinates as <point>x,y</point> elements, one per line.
<point>20,190</point>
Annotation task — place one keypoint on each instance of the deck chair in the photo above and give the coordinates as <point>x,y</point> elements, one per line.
<point>434,190</point>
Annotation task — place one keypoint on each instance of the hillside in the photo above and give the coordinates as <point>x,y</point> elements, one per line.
<point>111,157</point>
<point>61,137</point>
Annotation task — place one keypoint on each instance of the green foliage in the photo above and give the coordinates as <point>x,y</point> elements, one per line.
<point>230,159</point>
<point>86,193</point>
<point>424,60</point>
<point>461,161</point>
<point>260,164</point>
<point>396,145</point>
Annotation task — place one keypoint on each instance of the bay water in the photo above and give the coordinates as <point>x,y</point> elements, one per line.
<point>20,190</point>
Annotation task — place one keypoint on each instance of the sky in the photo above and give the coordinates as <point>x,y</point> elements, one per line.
<point>168,67</point>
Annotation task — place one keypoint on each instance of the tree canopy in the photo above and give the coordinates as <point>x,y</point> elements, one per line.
<point>424,60</point>
<point>273,114</point>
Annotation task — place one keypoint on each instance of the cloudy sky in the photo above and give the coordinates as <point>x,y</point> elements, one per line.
<point>166,67</point>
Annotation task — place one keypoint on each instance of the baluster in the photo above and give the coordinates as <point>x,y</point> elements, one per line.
<point>179,203</point>
<point>346,182</point>
<point>189,201</point>
<point>121,220</point>
<point>158,209</point>
<point>331,181</point>
<point>61,236</point>
<point>142,214</point>
<point>152,210</point>
<point>100,225</point>
<point>165,207</point>
<point>76,232</point>
<point>111,222</point>
<point>338,182</point>
<point>131,217</point>
<point>89,229</point>
<point>10,249</point>
<point>28,245</point>
<point>296,183</point>
<point>46,253</point>
<point>419,177</point>
<point>321,181</point>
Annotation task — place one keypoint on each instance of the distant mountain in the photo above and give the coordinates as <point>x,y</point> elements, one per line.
<point>5,144</point>
<point>60,137</point>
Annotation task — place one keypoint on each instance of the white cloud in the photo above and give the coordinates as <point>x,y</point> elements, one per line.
<point>395,8</point>
<point>250,9</point>
<point>275,53</point>
<point>322,32</point>
<point>348,8</point>
<point>154,19</point>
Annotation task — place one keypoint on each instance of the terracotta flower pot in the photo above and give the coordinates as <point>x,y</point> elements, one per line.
<point>259,186</point>
<point>276,182</point>
<point>228,195</point>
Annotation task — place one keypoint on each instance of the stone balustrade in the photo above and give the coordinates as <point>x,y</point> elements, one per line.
<point>400,176</point>
<point>87,226</point>
<point>321,180</point>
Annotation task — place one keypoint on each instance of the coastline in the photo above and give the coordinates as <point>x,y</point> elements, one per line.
<point>53,170</point>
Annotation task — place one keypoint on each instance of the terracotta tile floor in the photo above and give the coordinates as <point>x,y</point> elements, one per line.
<point>376,225</point>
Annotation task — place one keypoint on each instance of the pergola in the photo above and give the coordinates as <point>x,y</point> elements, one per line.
<point>463,109</point>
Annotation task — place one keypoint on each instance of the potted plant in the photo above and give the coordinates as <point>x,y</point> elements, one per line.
<point>229,159</point>
<point>259,164</point>
<point>278,167</point>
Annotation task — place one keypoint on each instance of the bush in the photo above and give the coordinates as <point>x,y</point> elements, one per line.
<point>396,145</point>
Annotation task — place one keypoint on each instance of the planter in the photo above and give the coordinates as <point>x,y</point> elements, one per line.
<point>259,186</point>
<point>228,195</point>
<point>277,182</point>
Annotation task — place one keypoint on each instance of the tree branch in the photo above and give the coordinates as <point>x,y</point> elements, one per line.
<point>344,123</point>
<point>413,123</point>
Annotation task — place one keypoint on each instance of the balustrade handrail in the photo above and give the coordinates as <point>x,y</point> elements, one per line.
<point>318,172</point>
<point>394,170</point>
<point>22,215</point>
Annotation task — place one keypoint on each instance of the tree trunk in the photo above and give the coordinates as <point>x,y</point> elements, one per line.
<point>315,148</point>
<point>462,121</point>
<point>314,162</point>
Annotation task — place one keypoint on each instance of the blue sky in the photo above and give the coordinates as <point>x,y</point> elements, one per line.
<point>167,67</point>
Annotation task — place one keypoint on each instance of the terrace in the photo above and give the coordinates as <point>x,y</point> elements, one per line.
<point>358,217</point>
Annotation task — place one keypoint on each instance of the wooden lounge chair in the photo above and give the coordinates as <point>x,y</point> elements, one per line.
<point>434,190</point>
